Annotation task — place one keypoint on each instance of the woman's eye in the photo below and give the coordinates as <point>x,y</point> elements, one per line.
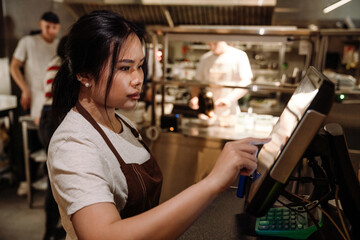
<point>141,66</point>
<point>124,68</point>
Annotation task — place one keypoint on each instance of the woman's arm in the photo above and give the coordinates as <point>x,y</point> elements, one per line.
<point>170,219</point>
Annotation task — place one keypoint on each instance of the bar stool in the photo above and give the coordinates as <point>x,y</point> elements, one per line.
<point>27,123</point>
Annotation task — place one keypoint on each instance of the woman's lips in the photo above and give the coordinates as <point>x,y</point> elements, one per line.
<point>135,96</point>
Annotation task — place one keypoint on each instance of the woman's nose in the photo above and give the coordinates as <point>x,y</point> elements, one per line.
<point>137,78</point>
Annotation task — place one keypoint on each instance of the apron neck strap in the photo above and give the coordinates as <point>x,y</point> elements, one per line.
<point>92,121</point>
<point>135,133</point>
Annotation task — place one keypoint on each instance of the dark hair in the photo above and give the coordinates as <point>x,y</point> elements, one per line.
<point>60,51</point>
<point>50,17</point>
<point>90,42</point>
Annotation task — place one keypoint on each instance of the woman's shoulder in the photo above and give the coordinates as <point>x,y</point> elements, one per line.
<point>72,121</point>
<point>74,136</point>
<point>74,126</point>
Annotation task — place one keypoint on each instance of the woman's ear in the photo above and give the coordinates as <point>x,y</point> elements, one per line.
<point>84,79</point>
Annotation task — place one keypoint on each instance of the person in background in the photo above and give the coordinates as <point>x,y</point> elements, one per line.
<point>223,64</point>
<point>106,182</point>
<point>46,129</point>
<point>27,68</point>
<point>33,53</point>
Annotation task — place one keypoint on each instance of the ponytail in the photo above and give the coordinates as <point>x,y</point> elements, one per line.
<point>65,91</point>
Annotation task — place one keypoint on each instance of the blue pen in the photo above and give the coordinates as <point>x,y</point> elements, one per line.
<point>241,187</point>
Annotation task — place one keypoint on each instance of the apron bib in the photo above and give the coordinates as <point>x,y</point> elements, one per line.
<point>144,181</point>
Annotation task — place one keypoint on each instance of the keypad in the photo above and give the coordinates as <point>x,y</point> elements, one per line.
<point>283,219</point>
<point>286,223</point>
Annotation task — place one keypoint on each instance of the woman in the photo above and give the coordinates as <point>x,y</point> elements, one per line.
<point>104,179</point>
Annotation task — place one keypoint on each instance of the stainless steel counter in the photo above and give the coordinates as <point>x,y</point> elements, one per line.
<point>7,102</point>
<point>187,156</point>
<point>230,128</point>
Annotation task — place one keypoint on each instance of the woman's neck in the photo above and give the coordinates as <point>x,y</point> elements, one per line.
<point>105,117</point>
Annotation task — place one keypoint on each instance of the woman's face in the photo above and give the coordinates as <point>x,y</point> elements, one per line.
<point>128,76</point>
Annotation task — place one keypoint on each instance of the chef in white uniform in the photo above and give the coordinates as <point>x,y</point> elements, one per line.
<point>223,64</point>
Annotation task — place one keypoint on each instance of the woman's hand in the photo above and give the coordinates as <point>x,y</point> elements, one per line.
<point>237,157</point>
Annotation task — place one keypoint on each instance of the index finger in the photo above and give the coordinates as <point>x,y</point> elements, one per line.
<point>257,141</point>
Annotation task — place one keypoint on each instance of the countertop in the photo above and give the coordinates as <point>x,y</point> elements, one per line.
<point>7,102</point>
<point>225,219</point>
<point>237,127</point>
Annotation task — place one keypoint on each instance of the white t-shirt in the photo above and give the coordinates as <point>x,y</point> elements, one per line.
<point>36,54</point>
<point>83,170</point>
<point>231,67</point>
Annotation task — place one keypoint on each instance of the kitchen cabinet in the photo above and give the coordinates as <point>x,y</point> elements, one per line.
<point>340,52</point>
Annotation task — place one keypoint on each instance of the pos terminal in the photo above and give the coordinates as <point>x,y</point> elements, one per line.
<point>299,134</point>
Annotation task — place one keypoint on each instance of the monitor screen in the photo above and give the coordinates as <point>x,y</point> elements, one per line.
<point>297,125</point>
<point>286,124</point>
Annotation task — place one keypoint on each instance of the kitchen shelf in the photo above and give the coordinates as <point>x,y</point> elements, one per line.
<point>312,51</point>
<point>254,87</point>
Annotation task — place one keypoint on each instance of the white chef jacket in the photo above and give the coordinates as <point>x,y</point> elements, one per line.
<point>231,67</point>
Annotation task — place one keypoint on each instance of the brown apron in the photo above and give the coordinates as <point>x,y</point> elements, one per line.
<point>144,181</point>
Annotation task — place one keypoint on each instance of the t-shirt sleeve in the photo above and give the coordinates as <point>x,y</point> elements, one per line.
<point>20,50</point>
<point>78,176</point>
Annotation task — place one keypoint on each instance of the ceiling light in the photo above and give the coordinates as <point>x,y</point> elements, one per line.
<point>335,5</point>
<point>260,2</point>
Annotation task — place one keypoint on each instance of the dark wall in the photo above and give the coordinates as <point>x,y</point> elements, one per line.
<point>2,32</point>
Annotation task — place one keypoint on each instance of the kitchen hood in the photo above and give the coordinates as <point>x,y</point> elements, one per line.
<point>173,13</point>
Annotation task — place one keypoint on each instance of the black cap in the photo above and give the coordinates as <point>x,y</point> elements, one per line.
<point>50,17</point>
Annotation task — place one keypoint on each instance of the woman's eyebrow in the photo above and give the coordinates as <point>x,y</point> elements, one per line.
<point>129,60</point>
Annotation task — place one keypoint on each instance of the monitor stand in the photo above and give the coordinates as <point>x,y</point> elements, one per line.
<point>334,175</point>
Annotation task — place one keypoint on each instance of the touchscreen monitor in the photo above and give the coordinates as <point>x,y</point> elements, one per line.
<point>297,125</point>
